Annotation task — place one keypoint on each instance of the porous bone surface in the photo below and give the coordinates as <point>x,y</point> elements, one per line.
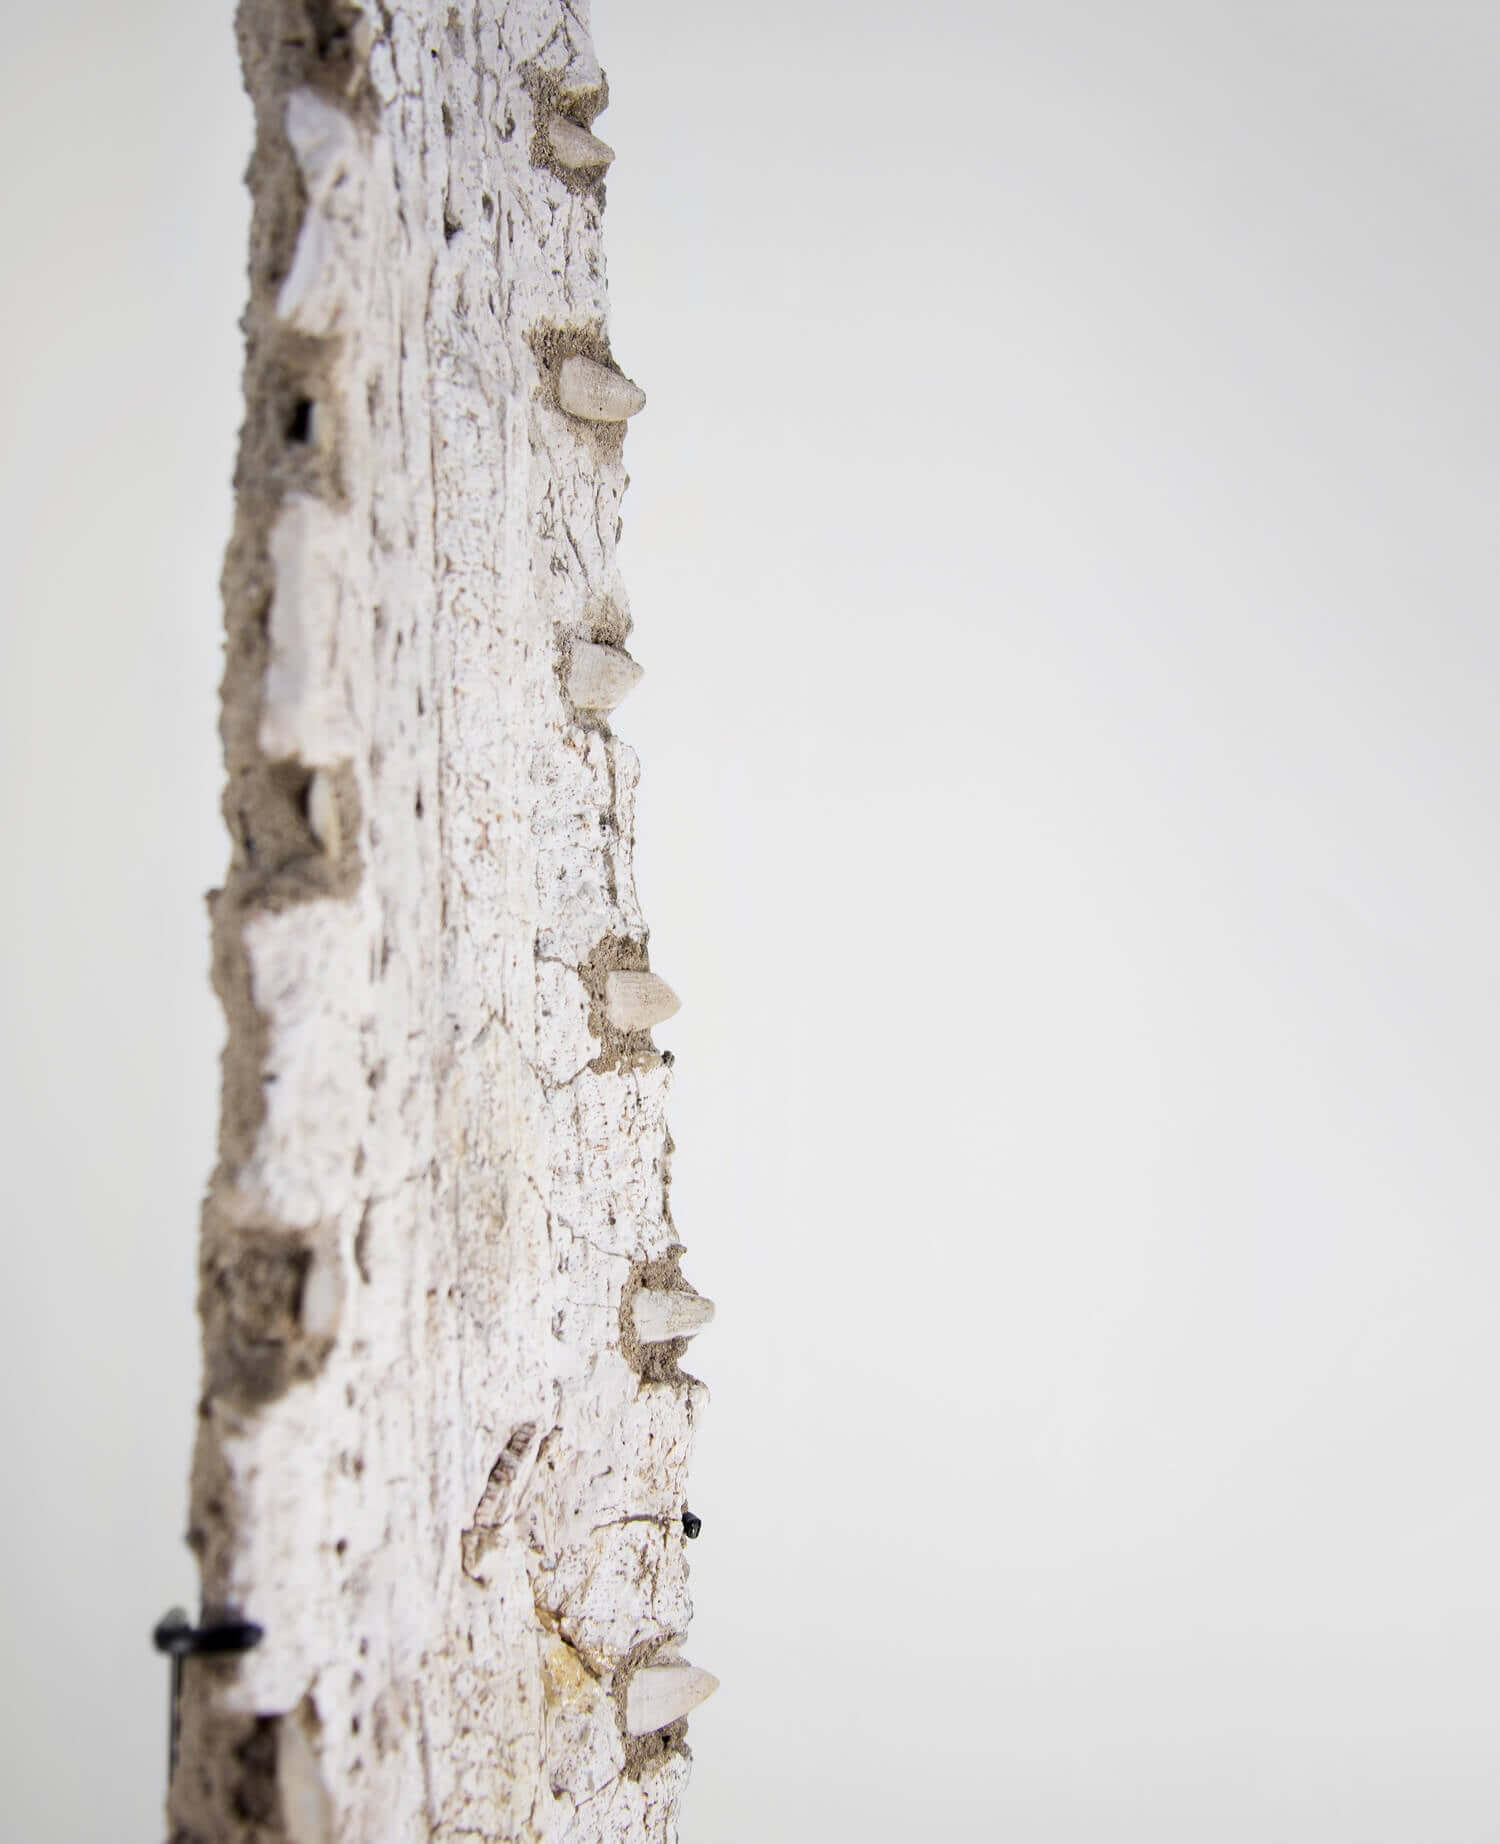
<point>431,1464</point>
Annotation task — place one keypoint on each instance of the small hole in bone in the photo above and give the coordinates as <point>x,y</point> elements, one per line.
<point>299,426</point>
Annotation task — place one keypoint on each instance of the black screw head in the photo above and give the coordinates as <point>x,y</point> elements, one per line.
<point>171,1630</point>
<point>175,1633</point>
<point>691,1524</point>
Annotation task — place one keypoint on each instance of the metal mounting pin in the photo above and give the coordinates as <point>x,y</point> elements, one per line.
<point>175,1634</point>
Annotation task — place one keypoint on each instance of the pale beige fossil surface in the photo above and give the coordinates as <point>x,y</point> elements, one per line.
<point>440,1461</point>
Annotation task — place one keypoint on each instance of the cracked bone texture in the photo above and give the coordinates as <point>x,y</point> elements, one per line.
<point>425,1464</point>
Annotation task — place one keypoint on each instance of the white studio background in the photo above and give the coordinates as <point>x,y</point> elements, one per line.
<point>123,136</point>
<point>1062,547</point>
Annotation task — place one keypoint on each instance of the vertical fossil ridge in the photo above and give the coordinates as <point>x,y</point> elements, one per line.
<point>430,1462</point>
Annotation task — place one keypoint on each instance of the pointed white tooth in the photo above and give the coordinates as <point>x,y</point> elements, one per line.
<point>324,141</point>
<point>636,1001</point>
<point>660,1694</point>
<point>597,394</point>
<point>306,1806</point>
<point>574,147</point>
<point>323,814</point>
<point>322,1301</point>
<point>661,1313</point>
<point>599,677</point>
